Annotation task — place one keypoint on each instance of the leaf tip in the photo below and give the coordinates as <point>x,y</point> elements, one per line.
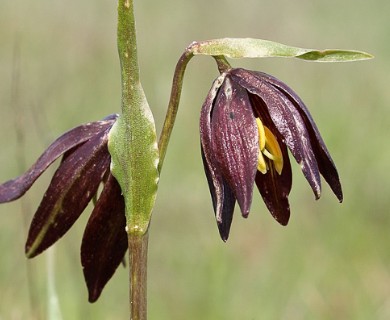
<point>335,55</point>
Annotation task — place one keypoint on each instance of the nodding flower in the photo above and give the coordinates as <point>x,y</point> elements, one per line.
<point>85,165</point>
<point>248,123</point>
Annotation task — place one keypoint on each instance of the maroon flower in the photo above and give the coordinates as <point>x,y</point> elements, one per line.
<point>84,166</point>
<point>248,122</point>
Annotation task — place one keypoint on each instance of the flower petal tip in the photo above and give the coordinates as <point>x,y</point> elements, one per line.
<point>245,213</point>
<point>30,252</point>
<point>284,223</point>
<point>223,231</point>
<point>93,295</point>
<point>282,218</point>
<point>317,191</point>
<point>224,236</point>
<point>338,192</point>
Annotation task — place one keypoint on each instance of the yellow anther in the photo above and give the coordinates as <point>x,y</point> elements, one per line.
<point>270,148</point>
<point>272,145</point>
<point>261,165</point>
<point>260,128</point>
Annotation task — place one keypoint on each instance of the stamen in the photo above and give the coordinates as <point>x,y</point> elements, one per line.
<point>269,155</point>
<point>260,127</point>
<point>273,147</point>
<point>270,148</point>
<point>261,165</point>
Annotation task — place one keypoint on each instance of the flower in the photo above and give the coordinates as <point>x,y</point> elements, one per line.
<point>248,122</point>
<point>84,166</point>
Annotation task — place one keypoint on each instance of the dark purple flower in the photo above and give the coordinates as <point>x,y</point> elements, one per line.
<point>248,122</point>
<point>84,166</point>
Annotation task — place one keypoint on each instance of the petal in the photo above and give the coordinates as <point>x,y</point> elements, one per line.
<point>275,188</point>
<point>14,189</point>
<point>235,141</point>
<point>221,194</point>
<point>287,120</point>
<point>223,201</point>
<point>105,240</point>
<point>324,160</point>
<point>71,188</point>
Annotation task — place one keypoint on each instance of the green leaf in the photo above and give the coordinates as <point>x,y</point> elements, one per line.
<point>134,158</point>
<point>258,48</point>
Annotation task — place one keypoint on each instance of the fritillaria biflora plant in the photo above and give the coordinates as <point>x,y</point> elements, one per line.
<point>248,123</point>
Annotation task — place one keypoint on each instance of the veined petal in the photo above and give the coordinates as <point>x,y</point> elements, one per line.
<point>14,189</point>
<point>221,194</point>
<point>324,160</point>
<point>71,188</point>
<point>287,120</point>
<point>275,188</point>
<point>235,141</point>
<point>105,240</point>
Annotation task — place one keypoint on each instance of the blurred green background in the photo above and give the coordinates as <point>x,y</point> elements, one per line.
<point>59,68</point>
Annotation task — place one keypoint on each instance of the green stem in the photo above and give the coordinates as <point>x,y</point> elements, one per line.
<point>133,111</point>
<point>138,255</point>
<point>173,105</point>
<point>127,49</point>
<point>223,64</point>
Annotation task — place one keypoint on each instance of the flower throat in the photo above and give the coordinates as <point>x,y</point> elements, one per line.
<point>269,147</point>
